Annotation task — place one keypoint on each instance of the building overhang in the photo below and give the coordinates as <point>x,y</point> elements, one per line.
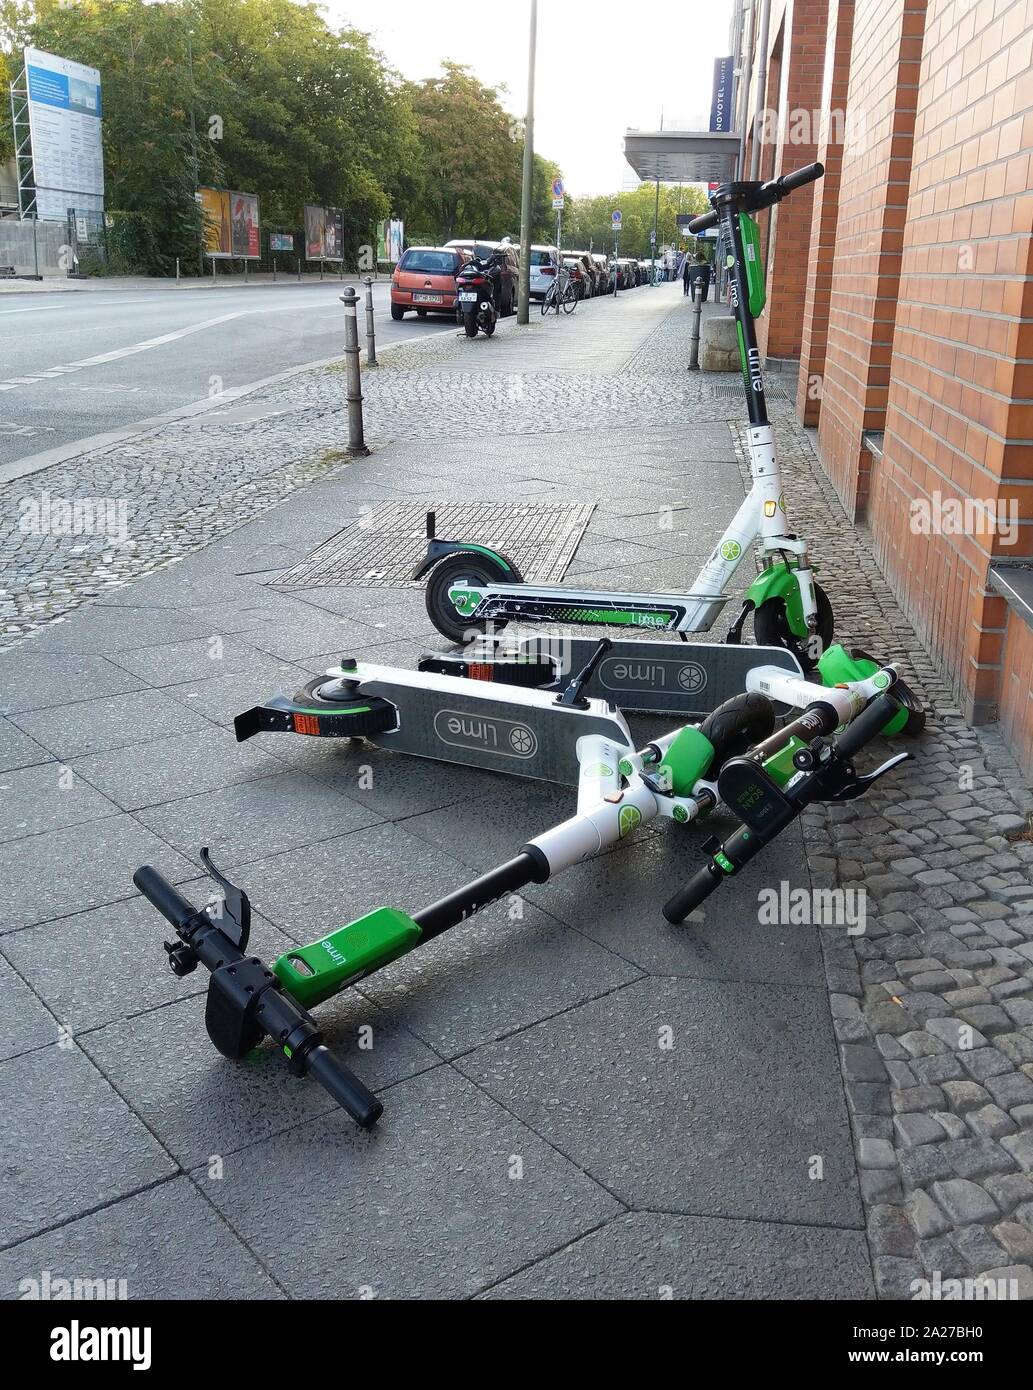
<point>682,156</point>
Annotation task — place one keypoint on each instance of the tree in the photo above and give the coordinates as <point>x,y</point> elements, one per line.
<point>471,156</point>
<point>587,220</point>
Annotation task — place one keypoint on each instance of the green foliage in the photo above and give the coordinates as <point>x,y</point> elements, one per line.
<point>471,158</point>
<point>587,220</point>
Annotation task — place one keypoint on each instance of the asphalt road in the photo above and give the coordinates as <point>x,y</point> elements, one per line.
<point>77,364</point>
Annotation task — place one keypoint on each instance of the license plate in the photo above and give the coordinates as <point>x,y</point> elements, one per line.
<point>467,297</point>
<point>419,298</point>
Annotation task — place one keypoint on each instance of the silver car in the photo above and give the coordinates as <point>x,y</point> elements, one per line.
<point>545,262</point>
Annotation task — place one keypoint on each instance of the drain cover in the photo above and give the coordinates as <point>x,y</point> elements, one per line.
<point>737,391</point>
<point>386,546</point>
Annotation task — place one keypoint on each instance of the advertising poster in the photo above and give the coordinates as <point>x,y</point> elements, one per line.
<point>215,206</point>
<point>281,241</point>
<point>394,240</point>
<point>246,239</point>
<point>65,129</point>
<point>324,233</point>
<point>231,224</point>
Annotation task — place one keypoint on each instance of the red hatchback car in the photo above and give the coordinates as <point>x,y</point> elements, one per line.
<point>425,280</point>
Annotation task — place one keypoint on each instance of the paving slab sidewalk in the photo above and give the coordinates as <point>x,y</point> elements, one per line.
<point>539,1134</point>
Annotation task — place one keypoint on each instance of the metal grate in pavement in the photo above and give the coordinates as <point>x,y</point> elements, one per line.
<point>386,546</point>
<point>737,391</point>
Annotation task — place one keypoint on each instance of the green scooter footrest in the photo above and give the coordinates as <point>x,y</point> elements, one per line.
<point>313,973</point>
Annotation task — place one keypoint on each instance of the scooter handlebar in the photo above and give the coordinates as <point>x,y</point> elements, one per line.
<point>868,724</point>
<point>279,1015</point>
<point>703,221</point>
<point>161,894</point>
<point>799,178</point>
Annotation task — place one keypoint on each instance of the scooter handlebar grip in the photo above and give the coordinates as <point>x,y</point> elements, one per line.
<point>703,221</point>
<point>868,724</point>
<point>810,173</point>
<point>345,1087</point>
<point>687,899</point>
<point>168,900</point>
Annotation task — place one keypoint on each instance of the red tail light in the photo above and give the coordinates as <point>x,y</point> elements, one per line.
<point>547,269</point>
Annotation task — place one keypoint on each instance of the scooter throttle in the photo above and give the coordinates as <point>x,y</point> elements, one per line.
<point>868,724</point>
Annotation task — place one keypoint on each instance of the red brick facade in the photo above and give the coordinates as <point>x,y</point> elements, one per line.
<point>915,288</point>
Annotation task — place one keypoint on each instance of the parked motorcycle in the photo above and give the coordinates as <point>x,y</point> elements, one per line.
<point>478,294</point>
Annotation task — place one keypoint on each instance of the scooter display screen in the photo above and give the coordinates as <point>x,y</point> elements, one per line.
<point>748,792</point>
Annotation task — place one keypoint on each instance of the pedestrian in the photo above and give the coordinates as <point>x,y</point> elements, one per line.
<point>687,276</point>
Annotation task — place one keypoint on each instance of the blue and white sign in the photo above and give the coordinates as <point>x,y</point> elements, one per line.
<point>616,217</point>
<point>65,129</point>
<point>721,101</point>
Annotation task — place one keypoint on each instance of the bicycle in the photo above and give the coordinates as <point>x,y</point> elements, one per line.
<point>561,294</point>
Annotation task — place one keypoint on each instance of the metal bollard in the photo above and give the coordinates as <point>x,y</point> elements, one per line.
<point>356,443</point>
<point>697,311</point>
<point>371,343</point>
<point>299,270</point>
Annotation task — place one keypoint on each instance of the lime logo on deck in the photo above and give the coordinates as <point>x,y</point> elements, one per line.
<point>464,601</point>
<point>692,677</point>
<point>881,681</point>
<point>600,770</point>
<point>507,737</point>
<point>729,261</point>
<point>730,550</point>
<point>629,818</point>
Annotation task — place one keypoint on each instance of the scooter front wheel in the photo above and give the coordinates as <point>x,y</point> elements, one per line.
<point>464,568</point>
<point>771,627</point>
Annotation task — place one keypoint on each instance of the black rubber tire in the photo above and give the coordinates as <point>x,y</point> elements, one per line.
<point>915,722</point>
<point>470,324</point>
<point>397,312</point>
<point>736,726</point>
<point>470,567</point>
<point>378,717</point>
<point>771,629</point>
<point>489,328</point>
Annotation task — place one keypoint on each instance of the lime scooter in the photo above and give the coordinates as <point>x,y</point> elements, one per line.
<point>472,586</point>
<point>736,756</point>
<point>765,778</point>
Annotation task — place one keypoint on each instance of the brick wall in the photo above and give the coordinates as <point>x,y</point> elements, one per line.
<point>799,74</point>
<point>886,49</point>
<point>822,240</point>
<point>960,394</point>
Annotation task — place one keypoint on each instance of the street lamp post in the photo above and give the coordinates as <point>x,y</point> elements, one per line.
<point>524,286</point>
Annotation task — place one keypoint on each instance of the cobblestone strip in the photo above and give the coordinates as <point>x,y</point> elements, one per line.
<point>933,1003</point>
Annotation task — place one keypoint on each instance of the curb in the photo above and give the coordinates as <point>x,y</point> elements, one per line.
<point>62,453</point>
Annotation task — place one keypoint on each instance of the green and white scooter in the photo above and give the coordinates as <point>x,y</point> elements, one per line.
<point>735,757</point>
<point>472,588</point>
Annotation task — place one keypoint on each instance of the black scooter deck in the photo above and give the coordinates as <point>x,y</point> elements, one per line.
<point>686,678</point>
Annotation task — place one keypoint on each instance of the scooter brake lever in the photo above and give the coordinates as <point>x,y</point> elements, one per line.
<point>236,906</point>
<point>858,785</point>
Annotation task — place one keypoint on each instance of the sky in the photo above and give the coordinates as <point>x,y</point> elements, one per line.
<point>597,75</point>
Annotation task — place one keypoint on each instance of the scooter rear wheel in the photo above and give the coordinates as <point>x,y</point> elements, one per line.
<point>470,324</point>
<point>464,568</point>
<point>771,627</point>
<point>735,726</point>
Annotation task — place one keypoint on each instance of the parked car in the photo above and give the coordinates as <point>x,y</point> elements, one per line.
<point>510,266</point>
<point>591,270</point>
<point>580,275</point>
<point>425,280</point>
<point>626,271</point>
<point>545,262</point>
<point>605,277</point>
